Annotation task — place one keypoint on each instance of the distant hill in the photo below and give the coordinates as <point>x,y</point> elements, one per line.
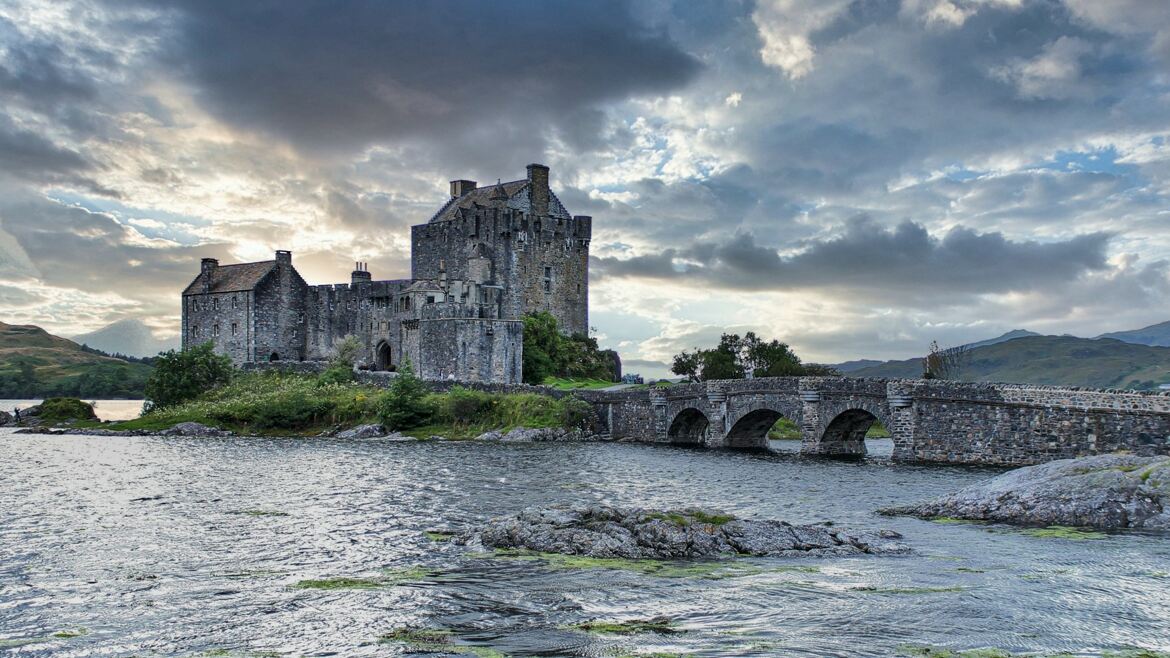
<point>853,366</point>
<point>1157,335</point>
<point>130,337</point>
<point>1053,360</point>
<point>35,363</point>
<point>1011,335</point>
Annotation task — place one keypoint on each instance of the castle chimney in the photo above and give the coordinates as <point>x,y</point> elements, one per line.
<point>538,189</point>
<point>360,273</point>
<point>283,258</point>
<point>207,269</point>
<point>461,187</point>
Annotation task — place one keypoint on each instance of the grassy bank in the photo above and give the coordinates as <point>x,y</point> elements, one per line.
<point>292,404</point>
<point>786,429</point>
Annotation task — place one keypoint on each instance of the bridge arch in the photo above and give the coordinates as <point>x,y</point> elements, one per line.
<point>844,435</point>
<point>751,429</point>
<point>689,427</point>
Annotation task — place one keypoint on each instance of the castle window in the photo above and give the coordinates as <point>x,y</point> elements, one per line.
<point>430,299</point>
<point>195,331</point>
<point>294,333</point>
<point>547,285</point>
<point>235,327</point>
<point>215,303</point>
<point>547,278</point>
<point>215,331</point>
<point>234,300</point>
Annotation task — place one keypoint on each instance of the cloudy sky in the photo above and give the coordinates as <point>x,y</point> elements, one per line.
<point>856,178</point>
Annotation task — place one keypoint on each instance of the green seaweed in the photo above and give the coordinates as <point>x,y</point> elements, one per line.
<point>435,640</point>
<point>908,590</point>
<point>1064,532</point>
<point>627,627</point>
<point>261,512</point>
<point>72,633</point>
<point>438,535</point>
<point>708,569</point>
<point>951,519</point>
<point>688,517</point>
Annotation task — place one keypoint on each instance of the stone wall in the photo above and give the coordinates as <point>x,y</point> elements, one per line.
<point>470,350</point>
<point>278,316</point>
<point>225,319</point>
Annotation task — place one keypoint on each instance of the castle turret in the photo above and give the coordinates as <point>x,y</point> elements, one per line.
<point>461,187</point>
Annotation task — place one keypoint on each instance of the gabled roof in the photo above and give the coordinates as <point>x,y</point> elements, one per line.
<point>231,278</point>
<point>485,196</point>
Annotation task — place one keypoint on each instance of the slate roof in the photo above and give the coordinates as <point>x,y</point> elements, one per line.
<point>231,278</point>
<point>480,195</point>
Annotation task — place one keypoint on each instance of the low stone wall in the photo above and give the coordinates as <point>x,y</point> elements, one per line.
<point>292,367</point>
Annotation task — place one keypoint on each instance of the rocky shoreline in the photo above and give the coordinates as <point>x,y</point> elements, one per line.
<point>602,531</point>
<point>1105,492</point>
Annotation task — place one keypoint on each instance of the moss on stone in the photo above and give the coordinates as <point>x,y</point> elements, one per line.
<point>71,633</point>
<point>1064,532</point>
<point>686,518</point>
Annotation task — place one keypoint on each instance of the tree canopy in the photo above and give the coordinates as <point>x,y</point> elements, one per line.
<point>549,353</point>
<point>736,357</point>
<point>183,375</point>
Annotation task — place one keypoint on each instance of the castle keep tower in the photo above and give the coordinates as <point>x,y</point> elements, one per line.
<point>487,257</point>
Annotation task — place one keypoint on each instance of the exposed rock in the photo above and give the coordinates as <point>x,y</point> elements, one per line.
<point>7,419</point>
<point>612,532</point>
<point>194,429</point>
<point>1104,491</point>
<point>362,432</point>
<point>533,435</point>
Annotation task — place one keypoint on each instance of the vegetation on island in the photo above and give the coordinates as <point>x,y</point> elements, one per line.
<point>197,385</point>
<point>737,357</point>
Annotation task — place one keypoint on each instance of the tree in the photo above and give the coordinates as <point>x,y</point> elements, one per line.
<point>403,405</point>
<point>735,357</point>
<point>687,364</point>
<point>549,353</point>
<point>345,352</point>
<point>184,375</point>
<point>944,364</point>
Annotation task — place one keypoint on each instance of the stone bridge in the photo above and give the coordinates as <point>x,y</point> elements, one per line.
<point>929,420</point>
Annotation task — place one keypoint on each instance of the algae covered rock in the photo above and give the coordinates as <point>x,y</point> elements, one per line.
<point>1105,491</point>
<point>612,532</point>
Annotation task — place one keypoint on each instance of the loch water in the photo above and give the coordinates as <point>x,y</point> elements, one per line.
<point>153,546</point>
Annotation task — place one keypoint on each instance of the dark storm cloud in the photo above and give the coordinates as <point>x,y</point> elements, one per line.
<point>329,77</point>
<point>906,260</point>
<point>39,73</point>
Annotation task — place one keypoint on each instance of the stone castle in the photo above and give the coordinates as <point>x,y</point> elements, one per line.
<point>485,259</point>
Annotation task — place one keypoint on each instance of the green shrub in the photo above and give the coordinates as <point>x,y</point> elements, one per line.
<point>182,376</point>
<point>403,405</point>
<point>465,406</point>
<point>55,410</point>
<point>576,413</point>
<point>335,374</point>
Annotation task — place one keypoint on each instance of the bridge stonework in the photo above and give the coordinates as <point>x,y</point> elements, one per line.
<point>929,420</point>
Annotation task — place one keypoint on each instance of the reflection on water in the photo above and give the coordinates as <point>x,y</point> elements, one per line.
<point>183,547</point>
<point>105,409</point>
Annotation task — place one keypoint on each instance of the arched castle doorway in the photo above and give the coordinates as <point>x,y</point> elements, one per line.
<point>382,356</point>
